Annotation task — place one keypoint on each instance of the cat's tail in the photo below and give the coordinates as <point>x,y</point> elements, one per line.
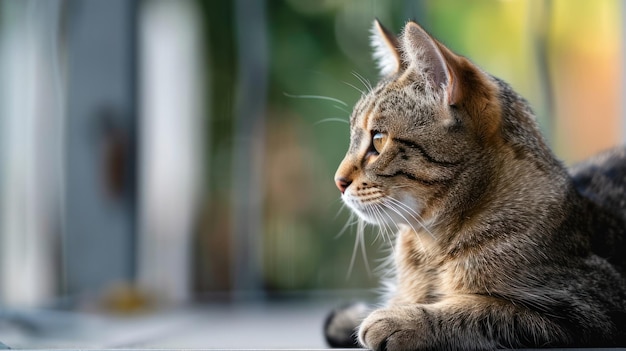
<point>340,327</point>
<point>602,182</point>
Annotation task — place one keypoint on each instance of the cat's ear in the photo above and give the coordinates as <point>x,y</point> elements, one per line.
<point>427,55</point>
<point>464,84</point>
<point>386,49</point>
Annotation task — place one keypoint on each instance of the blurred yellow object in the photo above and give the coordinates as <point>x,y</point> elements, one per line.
<point>126,299</point>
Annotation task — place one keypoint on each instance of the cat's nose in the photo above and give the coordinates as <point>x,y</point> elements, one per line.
<point>342,183</point>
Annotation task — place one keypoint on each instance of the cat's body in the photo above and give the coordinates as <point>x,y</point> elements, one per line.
<point>497,244</point>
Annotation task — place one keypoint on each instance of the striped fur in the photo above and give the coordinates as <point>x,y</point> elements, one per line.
<point>497,244</point>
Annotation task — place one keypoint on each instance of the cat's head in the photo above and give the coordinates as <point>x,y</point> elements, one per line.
<point>422,132</point>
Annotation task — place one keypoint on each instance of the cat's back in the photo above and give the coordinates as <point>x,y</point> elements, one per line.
<point>601,180</point>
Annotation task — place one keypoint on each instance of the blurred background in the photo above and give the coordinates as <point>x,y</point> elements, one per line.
<point>167,165</point>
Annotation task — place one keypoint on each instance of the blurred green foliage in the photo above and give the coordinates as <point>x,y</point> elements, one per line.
<point>320,50</point>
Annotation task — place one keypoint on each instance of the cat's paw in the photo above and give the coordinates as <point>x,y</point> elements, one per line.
<point>395,329</point>
<point>341,325</point>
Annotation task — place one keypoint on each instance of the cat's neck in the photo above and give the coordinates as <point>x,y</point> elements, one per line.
<point>520,193</point>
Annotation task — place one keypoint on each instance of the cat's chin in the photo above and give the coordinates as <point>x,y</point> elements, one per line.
<point>366,212</point>
<point>374,214</point>
<point>386,212</point>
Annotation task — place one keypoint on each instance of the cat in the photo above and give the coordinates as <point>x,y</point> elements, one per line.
<point>498,245</point>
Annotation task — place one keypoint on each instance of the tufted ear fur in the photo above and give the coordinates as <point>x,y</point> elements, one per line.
<point>464,84</point>
<point>386,49</point>
<point>425,54</point>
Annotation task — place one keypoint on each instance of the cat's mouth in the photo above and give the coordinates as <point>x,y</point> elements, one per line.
<point>368,210</point>
<point>384,210</point>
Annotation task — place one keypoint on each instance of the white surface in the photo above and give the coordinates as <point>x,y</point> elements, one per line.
<point>235,326</point>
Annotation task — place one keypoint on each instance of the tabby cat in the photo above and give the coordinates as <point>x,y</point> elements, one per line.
<point>498,245</point>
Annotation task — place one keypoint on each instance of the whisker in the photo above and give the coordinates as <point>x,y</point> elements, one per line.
<point>398,211</point>
<point>412,213</point>
<point>332,119</point>
<point>341,109</point>
<point>384,229</point>
<point>391,206</point>
<point>351,85</point>
<point>359,241</point>
<point>364,253</point>
<point>351,221</point>
<point>341,209</point>
<point>408,210</point>
<point>319,97</point>
<point>363,249</point>
<point>359,231</point>
<point>390,230</point>
<point>364,81</point>
<point>382,225</point>
<point>400,186</point>
<point>386,263</point>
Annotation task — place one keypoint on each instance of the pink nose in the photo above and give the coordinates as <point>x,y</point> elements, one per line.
<point>342,184</point>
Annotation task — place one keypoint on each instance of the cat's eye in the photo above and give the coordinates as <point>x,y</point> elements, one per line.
<point>378,141</point>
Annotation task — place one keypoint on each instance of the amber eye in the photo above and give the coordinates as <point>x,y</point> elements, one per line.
<point>378,141</point>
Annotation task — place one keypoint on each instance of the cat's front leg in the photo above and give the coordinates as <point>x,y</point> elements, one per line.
<point>459,323</point>
<point>341,325</point>
<point>398,328</point>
